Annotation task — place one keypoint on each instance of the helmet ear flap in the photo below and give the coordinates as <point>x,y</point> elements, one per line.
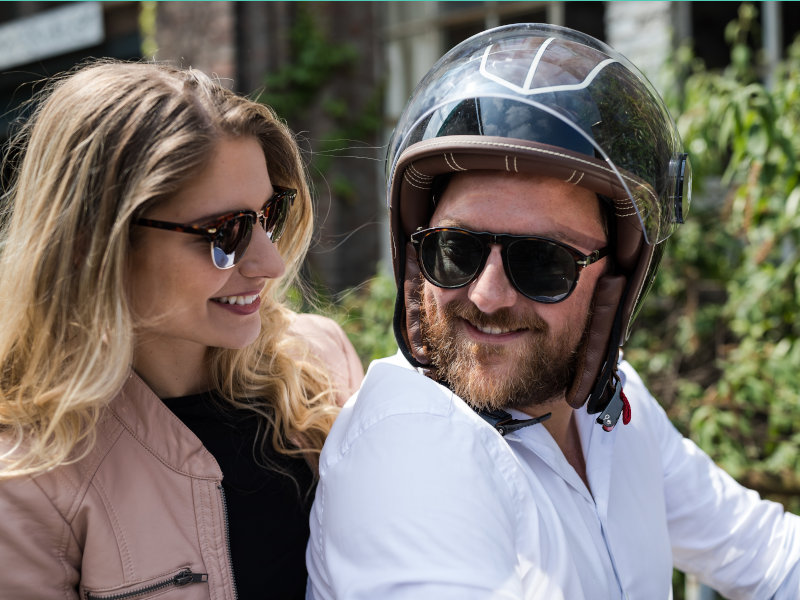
<point>407,322</point>
<point>412,286</point>
<point>600,328</point>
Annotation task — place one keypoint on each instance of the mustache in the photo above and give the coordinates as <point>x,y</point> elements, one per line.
<point>502,318</point>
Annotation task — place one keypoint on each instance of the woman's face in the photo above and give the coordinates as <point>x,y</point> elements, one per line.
<point>182,303</point>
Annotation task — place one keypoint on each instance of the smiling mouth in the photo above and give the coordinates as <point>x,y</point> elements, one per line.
<point>240,300</point>
<point>495,330</point>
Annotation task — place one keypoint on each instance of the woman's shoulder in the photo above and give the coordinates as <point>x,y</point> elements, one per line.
<point>314,326</point>
<point>327,340</point>
<point>323,335</point>
<point>56,488</point>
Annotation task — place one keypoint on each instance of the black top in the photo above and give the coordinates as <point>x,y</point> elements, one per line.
<point>267,510</point>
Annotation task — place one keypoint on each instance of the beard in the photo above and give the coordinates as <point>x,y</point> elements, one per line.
<point>498,376</point>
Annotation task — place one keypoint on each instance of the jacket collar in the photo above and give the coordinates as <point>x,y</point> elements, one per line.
<point>148,420</point>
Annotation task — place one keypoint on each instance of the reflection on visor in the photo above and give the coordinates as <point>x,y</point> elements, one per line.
<point>506,118</point>
<point>559,89</point>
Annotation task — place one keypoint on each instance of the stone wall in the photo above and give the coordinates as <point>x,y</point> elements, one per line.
<point>642,32</point>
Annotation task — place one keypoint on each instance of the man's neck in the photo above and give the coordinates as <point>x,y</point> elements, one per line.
<point>564,430</point>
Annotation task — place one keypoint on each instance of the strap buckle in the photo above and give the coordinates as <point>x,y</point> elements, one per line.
<point>617,406</point>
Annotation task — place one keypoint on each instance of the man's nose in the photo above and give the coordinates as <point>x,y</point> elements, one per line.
<point>492,290</point>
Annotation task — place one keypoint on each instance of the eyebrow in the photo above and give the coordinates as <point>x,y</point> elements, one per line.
<point>576,239</point>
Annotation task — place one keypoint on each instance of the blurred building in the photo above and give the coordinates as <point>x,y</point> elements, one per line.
<point>340,72</point>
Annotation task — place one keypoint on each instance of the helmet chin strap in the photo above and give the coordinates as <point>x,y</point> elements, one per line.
<point>504,423</point>
<point>607,397</point>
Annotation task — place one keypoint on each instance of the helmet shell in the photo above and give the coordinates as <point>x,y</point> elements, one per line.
<point>543,99</point>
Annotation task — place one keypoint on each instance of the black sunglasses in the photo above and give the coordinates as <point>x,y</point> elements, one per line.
<point>230,234</point>
<point>539,268</point>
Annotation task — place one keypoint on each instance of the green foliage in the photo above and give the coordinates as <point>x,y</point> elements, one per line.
<point>302,85</point>
<point>365,313</point>
<point>718,340</point>
<point>352,125</point>
<point>147,28</point>
<point>315,61</point>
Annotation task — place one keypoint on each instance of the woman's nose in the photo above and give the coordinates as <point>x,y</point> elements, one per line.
<point>262,259</point>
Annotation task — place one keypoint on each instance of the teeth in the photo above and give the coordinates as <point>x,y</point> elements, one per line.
<point>491,330</point>
<point>241,300</point>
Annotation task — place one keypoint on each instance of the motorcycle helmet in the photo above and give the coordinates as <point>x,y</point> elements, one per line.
<point>544,99</point>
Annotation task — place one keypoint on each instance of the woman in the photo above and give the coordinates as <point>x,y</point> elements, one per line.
<point>161,409</point>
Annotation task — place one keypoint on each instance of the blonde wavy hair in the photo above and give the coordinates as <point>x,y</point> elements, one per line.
<point>104,143</point>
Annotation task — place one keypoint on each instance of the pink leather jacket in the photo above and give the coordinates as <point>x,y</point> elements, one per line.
<point>143,515</point>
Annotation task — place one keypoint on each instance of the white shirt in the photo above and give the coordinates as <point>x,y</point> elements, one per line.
<point>419,498</point>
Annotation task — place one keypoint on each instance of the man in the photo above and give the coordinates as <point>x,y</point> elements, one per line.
<point>509,451</point>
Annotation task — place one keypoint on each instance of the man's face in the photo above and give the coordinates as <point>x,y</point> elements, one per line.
<point>497,348</point>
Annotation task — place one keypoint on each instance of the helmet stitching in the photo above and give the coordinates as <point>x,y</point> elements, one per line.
<point>417,179</point>
<point>608,171</point>
<point>577,181</point>
<point>450,159</point>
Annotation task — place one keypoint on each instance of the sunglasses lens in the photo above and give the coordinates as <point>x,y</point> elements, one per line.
<point>276,213</point>
<point>451,258</point>
<point>232,241</point>
<point>541,270</point>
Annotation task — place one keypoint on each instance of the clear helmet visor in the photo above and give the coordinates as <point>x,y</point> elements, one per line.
<point>572,101</point>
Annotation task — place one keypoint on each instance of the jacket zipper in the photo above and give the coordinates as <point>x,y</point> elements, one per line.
<point>227,538</point>
<point>185,577</point>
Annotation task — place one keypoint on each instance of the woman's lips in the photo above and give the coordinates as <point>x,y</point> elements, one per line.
<point>245,304</point>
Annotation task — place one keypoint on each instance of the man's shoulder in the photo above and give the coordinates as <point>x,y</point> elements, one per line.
<point>392,387</point>
<point>394,397</point>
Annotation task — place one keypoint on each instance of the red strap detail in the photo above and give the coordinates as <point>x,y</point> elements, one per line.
<point>626,408</point>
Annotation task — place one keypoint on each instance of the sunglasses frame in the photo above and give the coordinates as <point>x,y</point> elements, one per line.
<point>212,230</point>
<point>505,240</point>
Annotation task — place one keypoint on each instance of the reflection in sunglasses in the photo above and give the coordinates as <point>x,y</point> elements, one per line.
<point>541,269</point>
<point>230,234</point>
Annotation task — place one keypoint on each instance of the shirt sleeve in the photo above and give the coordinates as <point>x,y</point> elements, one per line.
<point>734,541</point>
<point>790,588</point>
<point>412,510</point>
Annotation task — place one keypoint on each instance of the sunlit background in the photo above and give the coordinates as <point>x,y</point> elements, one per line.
<point>718,340</point>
